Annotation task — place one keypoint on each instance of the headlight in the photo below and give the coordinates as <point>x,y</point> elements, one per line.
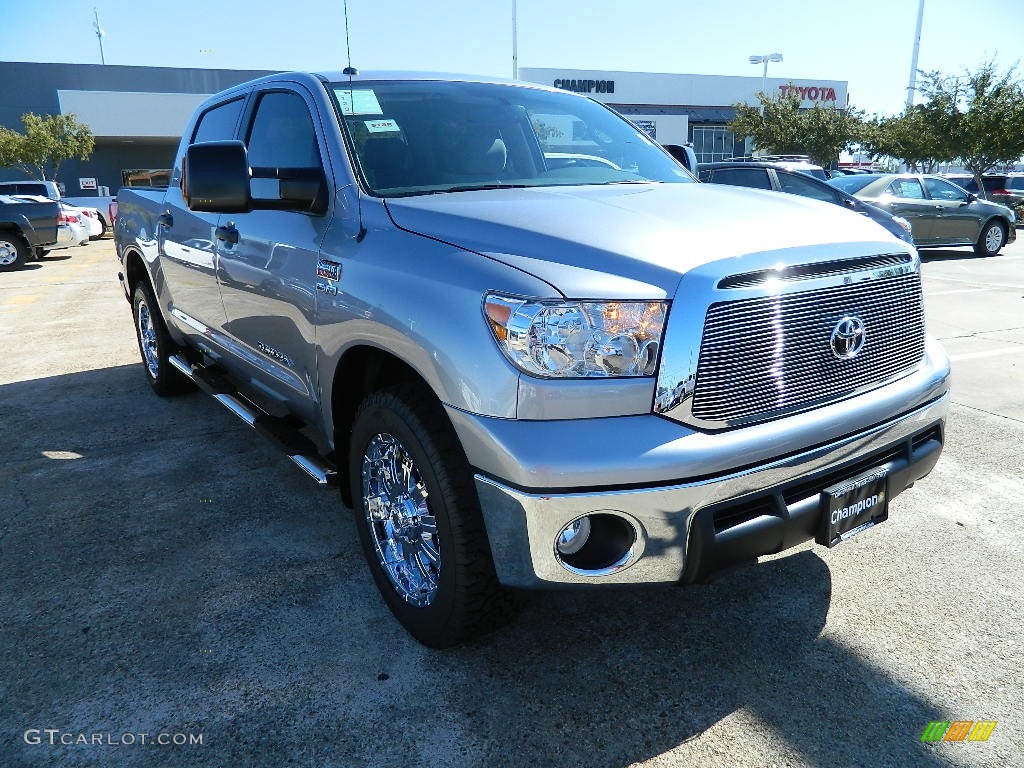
<point>578,339</point>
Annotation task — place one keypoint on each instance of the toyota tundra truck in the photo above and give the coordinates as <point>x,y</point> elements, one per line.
<point>529,347</point>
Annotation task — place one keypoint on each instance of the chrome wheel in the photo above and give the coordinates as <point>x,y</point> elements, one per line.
<point>147,340</point>
<point>994,238</point>
<point>402,528</point>
<point>8,253</point>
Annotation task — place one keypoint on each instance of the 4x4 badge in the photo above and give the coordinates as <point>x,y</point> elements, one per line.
<point>330,270</point>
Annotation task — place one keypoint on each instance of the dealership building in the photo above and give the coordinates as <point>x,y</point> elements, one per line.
<point>138,113</point>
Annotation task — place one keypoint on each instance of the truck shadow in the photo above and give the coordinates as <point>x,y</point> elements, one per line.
<point>950,254</point>
<point>166,570</point>
<point>626,676</point>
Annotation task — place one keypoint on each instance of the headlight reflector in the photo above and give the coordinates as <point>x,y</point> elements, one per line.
<point>578,339</point>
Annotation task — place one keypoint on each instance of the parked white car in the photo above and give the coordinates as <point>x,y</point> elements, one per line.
<point>71,217</point>
<point>90,218</point>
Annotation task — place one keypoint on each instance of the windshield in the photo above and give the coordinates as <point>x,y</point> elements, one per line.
<point>424,137</point>
<point>852,184</point>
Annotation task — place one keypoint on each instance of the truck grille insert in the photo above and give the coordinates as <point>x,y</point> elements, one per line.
<point>760,358</point>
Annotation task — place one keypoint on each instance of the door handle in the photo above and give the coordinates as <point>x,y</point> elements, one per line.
<point>227,234</point>
<point>165,220</point>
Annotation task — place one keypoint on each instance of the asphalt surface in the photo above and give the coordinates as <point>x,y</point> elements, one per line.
<point>165,572</point>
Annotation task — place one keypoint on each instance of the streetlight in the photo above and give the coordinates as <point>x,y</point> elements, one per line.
<point>764,75</point>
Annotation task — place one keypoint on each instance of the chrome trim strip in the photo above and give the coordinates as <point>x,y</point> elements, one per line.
<point>236,407</point>
<point>178,362</point>
<point>315,469</point>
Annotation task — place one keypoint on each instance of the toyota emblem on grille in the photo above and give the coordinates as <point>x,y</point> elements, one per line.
<point>847,337</point>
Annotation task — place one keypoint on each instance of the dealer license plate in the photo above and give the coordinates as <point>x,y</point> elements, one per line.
<point>853,506</point>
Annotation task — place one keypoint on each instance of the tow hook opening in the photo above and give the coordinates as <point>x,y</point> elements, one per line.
<point>596,544</point>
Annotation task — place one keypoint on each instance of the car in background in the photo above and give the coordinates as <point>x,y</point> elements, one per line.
<point>26,228</point>
<point>941,213</point>
<point>91,219</point>
<point>1005,188</point>
<point>799,163</point>
<point>779,178</point>
<point>69,218</point>
<point>54,190</point>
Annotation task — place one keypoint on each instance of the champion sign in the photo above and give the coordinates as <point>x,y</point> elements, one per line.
<point>590,86</point>
<point>854,509</point>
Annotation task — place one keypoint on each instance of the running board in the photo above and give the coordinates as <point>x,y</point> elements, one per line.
<point>299,448</point>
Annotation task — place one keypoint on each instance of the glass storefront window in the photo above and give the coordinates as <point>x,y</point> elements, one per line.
<point>712,143</point>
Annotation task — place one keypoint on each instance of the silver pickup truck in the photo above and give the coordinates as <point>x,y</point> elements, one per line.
<point>529,347</point>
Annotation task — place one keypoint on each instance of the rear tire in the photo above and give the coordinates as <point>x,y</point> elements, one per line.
<point>13,252</point>
<point>991,239</point>
<point>155,344</point>
<point>419,521</point>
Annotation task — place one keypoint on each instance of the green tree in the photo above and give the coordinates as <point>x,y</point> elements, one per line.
<point>48,141</point>
<point>779,126</point>
<point>982,112</point>
<point>918,138</point>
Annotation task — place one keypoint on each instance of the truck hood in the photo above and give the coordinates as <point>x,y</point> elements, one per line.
<point>632,240</point>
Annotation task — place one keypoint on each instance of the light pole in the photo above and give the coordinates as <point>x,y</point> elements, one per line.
<point>99,34</point>
<point>911,86</point>
<point>515,42</point>
<point>764,74</point>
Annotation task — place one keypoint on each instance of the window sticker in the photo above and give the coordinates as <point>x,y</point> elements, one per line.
<point>381,126</point>
<point>361,101</point>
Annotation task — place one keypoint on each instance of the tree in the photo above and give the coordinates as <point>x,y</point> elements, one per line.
<point>48,141</point>
<point>982,113</point>
<point>780,126</point>
<point>919,138</point>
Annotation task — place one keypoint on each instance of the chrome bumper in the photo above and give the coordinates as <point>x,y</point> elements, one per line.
<point>674,515</point>
<point>677,540</point>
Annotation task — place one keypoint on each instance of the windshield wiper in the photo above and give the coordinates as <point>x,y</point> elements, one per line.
<point>479,187</point>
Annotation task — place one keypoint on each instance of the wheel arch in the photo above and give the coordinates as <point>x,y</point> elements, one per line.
<point>135,269</point>
<point>362,370</point>
<point>11,229</point>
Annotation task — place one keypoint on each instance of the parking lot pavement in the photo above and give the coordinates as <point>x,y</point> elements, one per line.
<point>166,573</point>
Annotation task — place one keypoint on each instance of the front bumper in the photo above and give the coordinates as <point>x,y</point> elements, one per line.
<point>713,518</point>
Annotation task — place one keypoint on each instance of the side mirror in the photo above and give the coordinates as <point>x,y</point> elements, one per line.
<point>971,197</point>
<point>216,177</point>
<point>684,156</point>
<point>851,204</point>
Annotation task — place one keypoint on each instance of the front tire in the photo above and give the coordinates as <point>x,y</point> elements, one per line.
<point>991,239</point>
<point>419,521</point>
<point>155,344</point>
<point>13,252</point>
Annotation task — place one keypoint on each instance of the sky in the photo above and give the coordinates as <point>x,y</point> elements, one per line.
<point>865,42</point>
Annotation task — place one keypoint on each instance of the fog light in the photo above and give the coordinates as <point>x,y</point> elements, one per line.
<point>573,536</point>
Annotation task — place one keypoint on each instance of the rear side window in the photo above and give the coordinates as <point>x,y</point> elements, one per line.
<point>994,182</point>
<point>218,123</point>
<point>1015,182</point>
<point>907,188</point>
<point>797,185</point>
<point>943,190</point>
<point>742,177</point>
<point>282,134</point>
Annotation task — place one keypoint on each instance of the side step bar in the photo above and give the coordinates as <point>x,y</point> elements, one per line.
<point>282,432</point>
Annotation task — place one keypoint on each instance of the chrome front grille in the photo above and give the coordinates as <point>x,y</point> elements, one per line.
<point>762,357</point>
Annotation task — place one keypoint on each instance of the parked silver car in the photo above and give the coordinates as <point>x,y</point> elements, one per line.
<point>940,213</point>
